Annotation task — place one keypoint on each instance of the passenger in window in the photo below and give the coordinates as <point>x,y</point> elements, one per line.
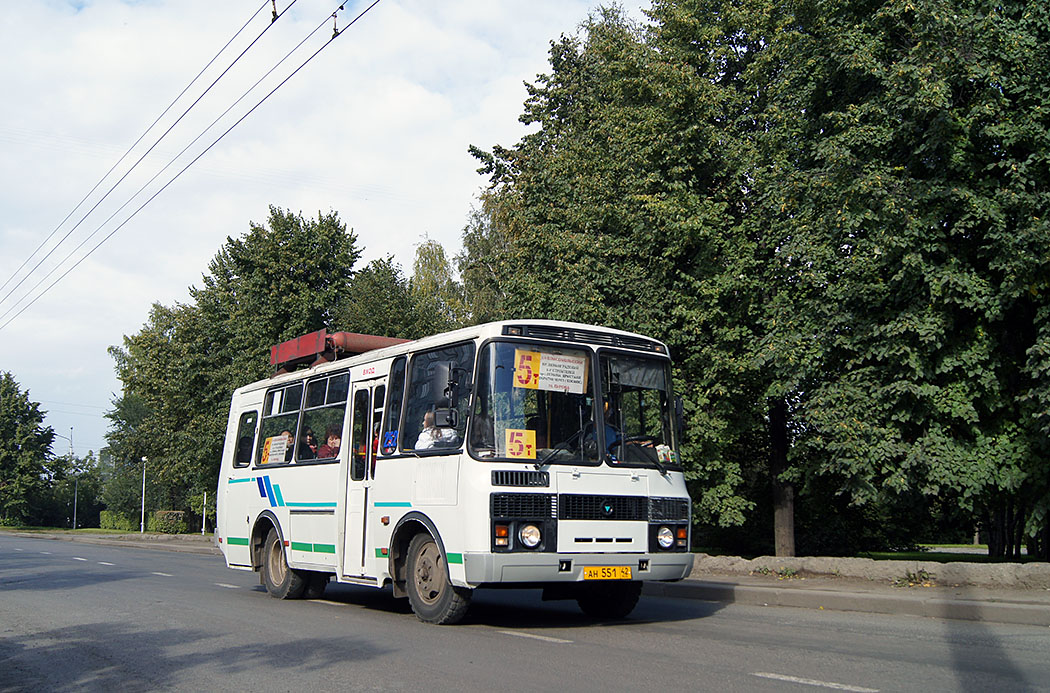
<point>290,445</point>
<point>433,437</point>
<point>308,446</point>
<point>333,438</point>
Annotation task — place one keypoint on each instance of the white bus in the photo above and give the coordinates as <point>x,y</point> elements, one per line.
<point>527,453</point>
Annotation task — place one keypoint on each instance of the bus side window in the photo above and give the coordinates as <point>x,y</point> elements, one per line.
<point>280,421</point>
<point>429,377</point>
<point>323,416</point>
<point>245,438</point>
<point>388,442</point>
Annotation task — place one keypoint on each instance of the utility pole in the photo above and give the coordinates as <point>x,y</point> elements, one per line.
<point>76,479</point>
<point>142,522</point>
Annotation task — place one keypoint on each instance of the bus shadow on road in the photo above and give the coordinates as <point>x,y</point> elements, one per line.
<point>125,657</point>
<point>525,608</point>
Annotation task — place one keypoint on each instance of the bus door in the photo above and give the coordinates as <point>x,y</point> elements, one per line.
<point>367,399</point>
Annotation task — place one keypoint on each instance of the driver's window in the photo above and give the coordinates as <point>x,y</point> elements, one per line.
<point>429,378</point>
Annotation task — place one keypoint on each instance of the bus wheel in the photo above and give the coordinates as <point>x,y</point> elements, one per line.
<point>433,597</point>
<point>281,581</point>
<point>610,599</point>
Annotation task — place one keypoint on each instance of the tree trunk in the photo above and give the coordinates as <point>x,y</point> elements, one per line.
<point>783,491</point>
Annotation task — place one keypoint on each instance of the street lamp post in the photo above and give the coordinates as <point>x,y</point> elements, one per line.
<point>76,479</point>
<point>142,523</point>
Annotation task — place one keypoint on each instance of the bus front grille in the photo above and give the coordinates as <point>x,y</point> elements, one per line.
<point>524,505</point>
<point>572,506</point>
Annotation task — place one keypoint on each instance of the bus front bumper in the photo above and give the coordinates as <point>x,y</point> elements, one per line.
<point>481,568</point>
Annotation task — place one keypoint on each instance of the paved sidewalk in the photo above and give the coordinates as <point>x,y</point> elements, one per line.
<point>965,602</point>
<point>972,602</point>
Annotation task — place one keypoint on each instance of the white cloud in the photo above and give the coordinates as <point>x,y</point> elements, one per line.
<point>376,128</point>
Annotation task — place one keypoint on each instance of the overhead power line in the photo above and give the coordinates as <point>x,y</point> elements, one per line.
<point>125,154</point>
<point>335,34</point>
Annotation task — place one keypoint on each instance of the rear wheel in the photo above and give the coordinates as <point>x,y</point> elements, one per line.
<point>281,581</point>
<point>609,599</point>
<point>433,597</point>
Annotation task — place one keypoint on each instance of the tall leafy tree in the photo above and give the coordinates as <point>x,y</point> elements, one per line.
<point>25,445</point>
<point>280,280</point>
<point>379,301</point>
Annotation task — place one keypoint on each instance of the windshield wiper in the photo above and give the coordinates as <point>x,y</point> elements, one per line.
<point>563,445</point>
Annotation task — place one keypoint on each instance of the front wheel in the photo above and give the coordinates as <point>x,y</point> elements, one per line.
<point>281,581</point>
<point>609,599</point>
<point>433,597</point>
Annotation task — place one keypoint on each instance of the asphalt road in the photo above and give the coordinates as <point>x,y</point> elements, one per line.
<point>88,617</point>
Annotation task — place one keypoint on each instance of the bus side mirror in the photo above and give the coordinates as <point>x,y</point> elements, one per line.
<point>679,416</point>
<point>446,418</point>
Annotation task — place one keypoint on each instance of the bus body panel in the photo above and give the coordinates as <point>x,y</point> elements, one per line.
<point>335,523</point>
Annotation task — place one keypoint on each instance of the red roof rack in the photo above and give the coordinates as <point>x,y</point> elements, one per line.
<point>321,347</point>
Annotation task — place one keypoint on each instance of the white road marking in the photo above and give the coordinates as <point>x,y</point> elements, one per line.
<point>19,549</point>
<point>229,587</point>
<point>545,638</point>
<point>104,563</point>
<point>46,553</point>
<point>164,574</point>
<point>78,558</point>
<point>814,682</point>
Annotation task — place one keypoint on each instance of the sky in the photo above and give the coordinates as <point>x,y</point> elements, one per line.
<point>375,127</point>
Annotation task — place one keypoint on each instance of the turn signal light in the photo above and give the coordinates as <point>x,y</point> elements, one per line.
<point>683,533</point>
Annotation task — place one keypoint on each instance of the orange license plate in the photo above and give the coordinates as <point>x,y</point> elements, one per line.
<point>607,572</point>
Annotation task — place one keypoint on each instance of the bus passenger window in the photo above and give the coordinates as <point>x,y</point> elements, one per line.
<point>279,424</point>
<point>245,439</point>
<point>322,426</point>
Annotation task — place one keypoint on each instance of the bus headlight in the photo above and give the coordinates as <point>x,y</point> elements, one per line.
<point>665,538</point>
<point>530,536</point>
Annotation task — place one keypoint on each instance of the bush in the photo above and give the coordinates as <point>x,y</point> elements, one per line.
<point>167,522</point>
<point>109,519</point>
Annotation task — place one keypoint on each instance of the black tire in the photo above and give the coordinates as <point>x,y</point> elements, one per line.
<point>315,585</point>
<point>609,600</point>
<point>433,597</point>
<point>281,581</point>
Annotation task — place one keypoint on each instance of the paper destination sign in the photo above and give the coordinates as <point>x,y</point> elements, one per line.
<point>275,449</point>
<point>546,371</point>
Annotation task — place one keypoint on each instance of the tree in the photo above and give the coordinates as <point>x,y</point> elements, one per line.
<point>437,296</point>
<point>25,444</point>
<point>832,212</point>
<point>278,281</point>
<point>379,302</point>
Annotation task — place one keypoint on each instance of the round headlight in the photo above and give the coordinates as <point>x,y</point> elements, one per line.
<point>665,538</point>
<point>530,536</point>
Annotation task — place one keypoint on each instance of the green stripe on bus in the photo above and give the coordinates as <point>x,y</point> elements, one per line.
<point>454,557</point>
<point>324,548</point>
<point>236,541</point>
<point>394,504</point>
<point>379,553</point>
<point>241,481</point>
<point>300,546</point>
<point>310,505</point>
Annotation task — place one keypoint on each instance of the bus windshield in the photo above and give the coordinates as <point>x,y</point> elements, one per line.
<point>534,403</point>
<point>636,407</point>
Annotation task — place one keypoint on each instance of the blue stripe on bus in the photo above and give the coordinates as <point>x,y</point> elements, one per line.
<point>269,492</point>
<point>395,504</point>
<point>241,481</point>
<point>277,492</point>
<point>311,505</point>
<point>262,486</point>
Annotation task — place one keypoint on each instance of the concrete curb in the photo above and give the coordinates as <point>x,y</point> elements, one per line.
<point>1033,613</point>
